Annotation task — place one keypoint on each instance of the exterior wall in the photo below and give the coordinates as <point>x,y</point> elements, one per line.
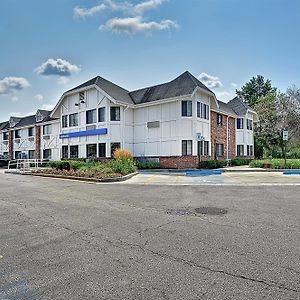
<point>3,144</point>
<point>244,136</point>
<point>24,144</point>
<point>166,138</point>
<point>37,132</point>
<point>225,134</point>
<point>10,145</point>
<point>51,141</point>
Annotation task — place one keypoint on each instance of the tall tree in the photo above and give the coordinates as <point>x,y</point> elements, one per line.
<point>256,88</point>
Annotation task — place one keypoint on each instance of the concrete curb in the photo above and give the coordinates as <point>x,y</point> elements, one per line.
<point>111,179</point>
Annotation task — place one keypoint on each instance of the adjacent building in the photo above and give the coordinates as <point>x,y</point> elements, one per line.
<point>178,123</point>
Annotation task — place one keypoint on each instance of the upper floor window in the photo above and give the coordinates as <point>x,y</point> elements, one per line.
<point>81,96</point>
<point>240,123</point>
<point>30,131</point>
<point>17,134</point>
<point>115,113</point>
<point>64,121</point>
<point>219,120</point>
<point>91,116</point>
<point>73,120</point>
<point>47,129</point>
<point>5,136</point>
<point>202,111</point>
<point>249,124</point>
<point>101,114</point>
<point>186,108</point>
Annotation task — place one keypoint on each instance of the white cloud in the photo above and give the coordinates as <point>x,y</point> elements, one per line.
<point>58,67</point>
<point>39,97</point>
<point>235,85</point>
<point>147,5</point>
<point>87,12</point>
<point>136,25</point>
<point>210,81</point>
<point>133,21</point>
<point>47,107</point>
<point>14,99</point>
<point>11,84</point>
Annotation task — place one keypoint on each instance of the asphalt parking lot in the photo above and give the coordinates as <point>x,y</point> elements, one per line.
<point>72,240</point>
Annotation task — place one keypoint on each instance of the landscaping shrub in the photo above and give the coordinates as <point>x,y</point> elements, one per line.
<point>213,164</point>
<point>148,164</point>
<point>276,163</point>
<point>59,165</point>
<point>240,161</point>
<point>123,166</point>
<point>122,154</point>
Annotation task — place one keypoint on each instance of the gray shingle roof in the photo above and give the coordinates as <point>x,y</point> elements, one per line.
<point>184,84</point>
<point>4,125</point>
<point>239,106</point>
<point>110,88</point>
<point>224,107</point>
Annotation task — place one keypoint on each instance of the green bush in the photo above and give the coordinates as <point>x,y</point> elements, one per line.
<point>276,163</point>
<point>240,161</point>
<point>123,166</point>
<point>148,164</point>
<point>59,165</point>
<point>213,164</point>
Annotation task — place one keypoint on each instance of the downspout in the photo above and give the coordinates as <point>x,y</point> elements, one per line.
<point>227,128</point>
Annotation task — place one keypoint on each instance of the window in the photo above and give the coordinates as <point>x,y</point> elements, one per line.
<point>73,120</point>
<point>203,148</point>
<point>187,147</point>
<point>249,124</point>
<point>81,96</point>
<point>64,121</point>
<point>91,116</point>
<point>46,129</point>
<point>115,113</point>
<point>202,111</point>
<point>240,123</point>
<point>47,154</point>
<point>240,150</point>
<point>186,108</point>
<point>18,154</point>
<point>31,131</point>
<point>249,150</point>
<point>65,152</point>
<point>91,151</point>
<point>5,136</point>
<point>74,151</point>
<point>17,134</point>
<point>114,147</point>
<point>219,150</point>
<point>102,150</point>
<point>31,154</point>
<point>219,120</point>
<point>101,114</point>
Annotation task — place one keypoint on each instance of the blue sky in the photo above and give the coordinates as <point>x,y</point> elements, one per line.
<point>50,46</point>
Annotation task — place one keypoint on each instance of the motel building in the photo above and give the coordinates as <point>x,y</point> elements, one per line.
<point>178,123</point>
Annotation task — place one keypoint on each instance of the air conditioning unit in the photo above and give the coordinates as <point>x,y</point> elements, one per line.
<point>154,124</point>
<point>46,137</point>
<point>31,139</point>
<point>5,142</point>
<point>17,141</point>
<point>91,127</point>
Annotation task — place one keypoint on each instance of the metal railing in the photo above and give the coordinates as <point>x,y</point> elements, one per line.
<point>25,164</point>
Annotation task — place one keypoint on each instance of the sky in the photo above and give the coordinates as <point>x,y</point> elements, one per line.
<point>50,46</point>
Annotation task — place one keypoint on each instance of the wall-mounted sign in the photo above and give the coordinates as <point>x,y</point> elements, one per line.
<point>200,137</point>
<point>101,131</point>
<point>285,135</point>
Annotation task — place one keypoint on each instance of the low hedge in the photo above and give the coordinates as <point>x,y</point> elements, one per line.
<point>240,161</point>
<point>148,164</point>
<point>213,164</point>
<point>276,164</point>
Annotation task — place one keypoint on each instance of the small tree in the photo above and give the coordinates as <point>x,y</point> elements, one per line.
<point>256,88</point>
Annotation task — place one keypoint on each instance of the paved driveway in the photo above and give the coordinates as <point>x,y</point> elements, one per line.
<point>72,240</point>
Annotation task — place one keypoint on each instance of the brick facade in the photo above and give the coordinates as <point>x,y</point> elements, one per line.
<point>38,142</point>
<point>181,162</point>
<point>219,136</point>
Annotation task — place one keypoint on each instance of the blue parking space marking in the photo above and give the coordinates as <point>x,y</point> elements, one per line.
<point>291,172</point>
<point>203,173</point>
